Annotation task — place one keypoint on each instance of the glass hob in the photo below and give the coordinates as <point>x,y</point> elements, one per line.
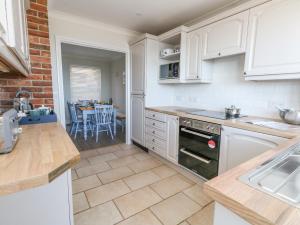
<point>214,114</point>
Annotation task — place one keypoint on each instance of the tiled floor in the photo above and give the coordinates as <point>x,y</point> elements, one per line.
<point>123,185</point>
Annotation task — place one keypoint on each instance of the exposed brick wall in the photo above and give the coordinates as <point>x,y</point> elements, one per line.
<point>39,82</point>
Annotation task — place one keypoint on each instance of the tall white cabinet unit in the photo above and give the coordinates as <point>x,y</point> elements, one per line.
<point>14,50</point>
<point>273,47</point>
<point>143,65</point>
<point>238,146</point>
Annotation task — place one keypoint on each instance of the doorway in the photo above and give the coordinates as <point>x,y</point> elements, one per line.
<point>93,79</point>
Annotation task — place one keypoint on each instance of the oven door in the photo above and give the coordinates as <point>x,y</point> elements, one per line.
<point>199,152</point>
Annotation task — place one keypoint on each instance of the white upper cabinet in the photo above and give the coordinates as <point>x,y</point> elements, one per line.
<point>196,68</point>
<point>13,34</point>
<point>138,67</point>
<point>273,46</point>
<point>194,47</point>
<point>226,37</point>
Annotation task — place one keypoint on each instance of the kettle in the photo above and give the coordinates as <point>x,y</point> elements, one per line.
<point>23,103</point>
<point>290,116</point>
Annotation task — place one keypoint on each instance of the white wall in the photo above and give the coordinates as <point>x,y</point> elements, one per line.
<point>229,87</point>
<point>118,90</point>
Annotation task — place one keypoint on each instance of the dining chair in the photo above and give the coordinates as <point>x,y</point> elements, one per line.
<point>77,122</point>
<point>103,119</point>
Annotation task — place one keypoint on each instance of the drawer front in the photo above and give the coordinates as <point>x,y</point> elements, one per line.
<point>156,132</point>
<point>155,148</point>
<point>156,124</point>
<point>156,116</point>
<point>156,141</point>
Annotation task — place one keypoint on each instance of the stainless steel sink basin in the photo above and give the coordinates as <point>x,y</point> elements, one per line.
<point>279,177</point>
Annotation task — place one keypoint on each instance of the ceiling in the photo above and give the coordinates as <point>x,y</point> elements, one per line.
<point>151,16</point>
<point>91,53</point>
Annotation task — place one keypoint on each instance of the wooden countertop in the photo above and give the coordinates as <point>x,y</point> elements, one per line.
<point>236,123</point>
<point>254,206</point>
<point>43,152</point>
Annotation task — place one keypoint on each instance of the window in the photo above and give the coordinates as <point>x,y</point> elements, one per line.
<point>85,83</point>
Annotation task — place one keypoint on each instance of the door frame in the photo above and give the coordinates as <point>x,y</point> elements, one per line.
<point>57,79</point>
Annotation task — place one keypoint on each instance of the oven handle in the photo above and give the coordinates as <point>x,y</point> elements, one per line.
<point>195,156</point>
<point>196,133</point>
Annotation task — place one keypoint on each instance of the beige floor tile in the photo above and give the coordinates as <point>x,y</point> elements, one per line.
<point>85,183</point>
<point>144,165</point>
<point>196,193</point>
<point>92,170</point>
<point>143,218</point>
<point>80,203</point>
<point>203,217</point>
<point>88,153</point>
<point>175,209</point>
<point>164,171</point>
<point>184,223</point>
<point>171,185</point>
<point>125,146</point>
<point>108,149</point>
<point>142,156</point>
<point>106,192</point>
<point>141,179</point>
<point>74,174</point>
<point>126,152</point>
<point>106,214</point>
<point>82,163</point>
<point>137,201</point>
<point>122,161</point>
<point>115,174</point>
<point>101,158</point>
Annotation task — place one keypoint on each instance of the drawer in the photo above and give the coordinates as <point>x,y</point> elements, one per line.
<point>158,150</point>
<point>156,141</point>
<point>156,132</point>
<point>156,124</point>
<point>156,116</point>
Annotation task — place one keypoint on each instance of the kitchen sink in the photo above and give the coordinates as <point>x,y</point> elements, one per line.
<point>279,176</point>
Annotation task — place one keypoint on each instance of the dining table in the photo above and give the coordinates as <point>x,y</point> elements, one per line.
<point>90,110</point>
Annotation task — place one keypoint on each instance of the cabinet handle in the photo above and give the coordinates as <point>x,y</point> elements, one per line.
<point>153,140</point>
<point>219,53</point>
<point>245,73</point>
<point>153,124</point>
<point>153,148</point>
<point>153,132</point>
<point>153,115</point>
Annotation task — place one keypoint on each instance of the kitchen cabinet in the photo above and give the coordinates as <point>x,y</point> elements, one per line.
<point>48,204</point>
<point>162,135</point>
<point>137,119</point>
<point>238,146</point>
<point>172,138</point>
<point>13,35</point>
<point>225,37</point>
<point>273,49</point>
<point>196,68</point>
<point>138,68</point>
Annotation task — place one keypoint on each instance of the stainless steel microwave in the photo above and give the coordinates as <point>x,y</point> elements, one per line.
<point>169,71</point>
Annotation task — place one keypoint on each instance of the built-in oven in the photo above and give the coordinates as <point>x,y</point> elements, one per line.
<point>199,147</point>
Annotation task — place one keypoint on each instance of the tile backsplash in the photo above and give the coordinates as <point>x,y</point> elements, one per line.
<point>230,88</point>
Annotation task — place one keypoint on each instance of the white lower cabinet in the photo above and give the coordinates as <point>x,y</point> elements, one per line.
<point>50,204</point>
<point>162,135</point>
<point>137,119</point>
<point>238,146</point>
<point>224,216</point>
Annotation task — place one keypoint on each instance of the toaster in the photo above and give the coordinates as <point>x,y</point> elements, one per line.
<point>9,131</point>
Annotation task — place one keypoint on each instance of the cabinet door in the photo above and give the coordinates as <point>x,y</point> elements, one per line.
<point>194,46</point>
<point>17,29</point>
<point>3,20</point>
<point>172,138</point>
<point>138,68</point>
<point>137,119</point>
<point>226,37</point>
<point>273,39</point>
<point>238,146</point>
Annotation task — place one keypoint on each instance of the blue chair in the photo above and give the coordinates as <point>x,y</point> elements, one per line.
<point>77,122</point>
<point>103,119</point>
